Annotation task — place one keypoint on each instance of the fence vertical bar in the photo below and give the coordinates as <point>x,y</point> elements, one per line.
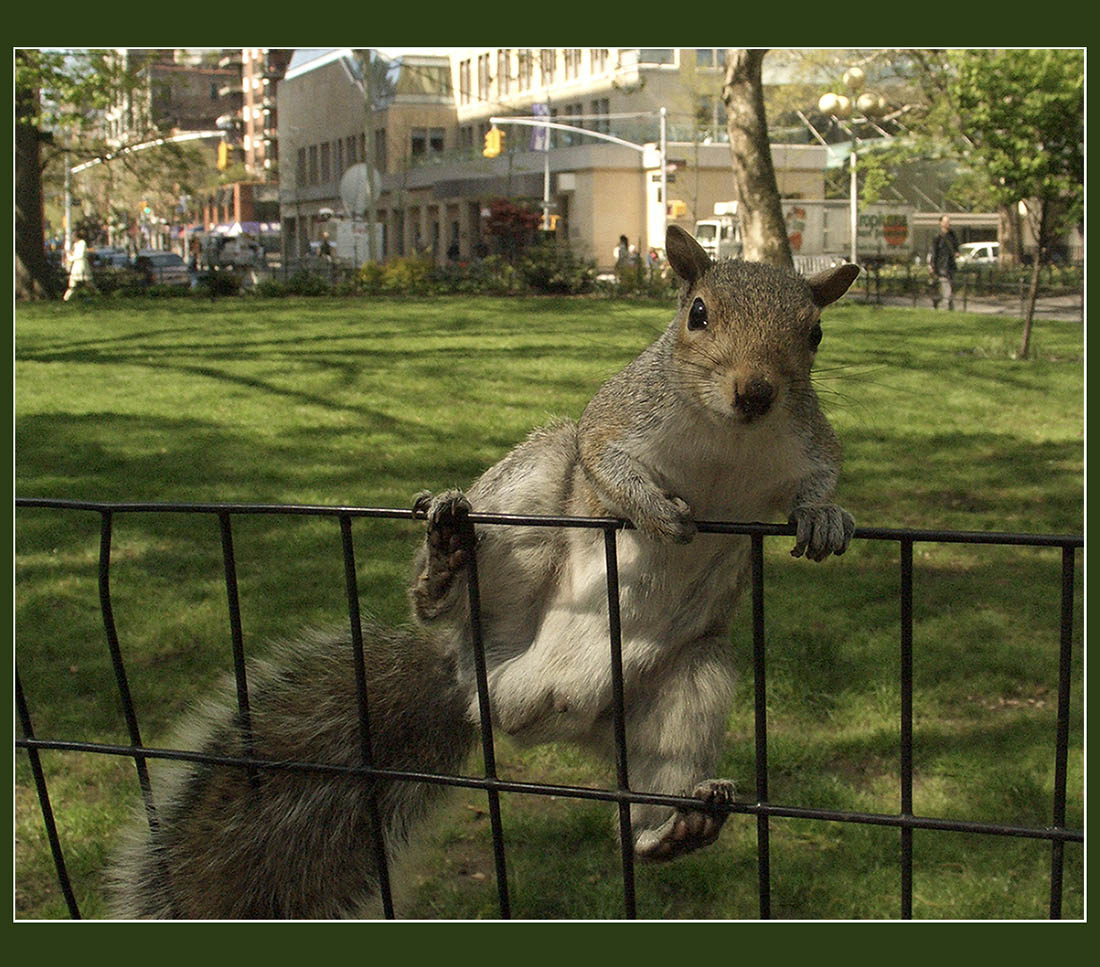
<point>44,803</point>
<point>763,845</point>
<point>626,832</point>
<point>367,754</point>
<point>1061,753</point>
<point>906,742</point>
<point>230,563</point>
<point>488,753</point>
<point>105,536</point>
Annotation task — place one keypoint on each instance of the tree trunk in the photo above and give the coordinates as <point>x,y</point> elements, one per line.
<point>1010,235</point>
<point>763,230</point>
<point>1033,288</point>
<point>33,277</point>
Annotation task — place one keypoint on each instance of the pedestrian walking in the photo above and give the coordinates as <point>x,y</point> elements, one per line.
<point>80,270</point>
<point>941,265</point>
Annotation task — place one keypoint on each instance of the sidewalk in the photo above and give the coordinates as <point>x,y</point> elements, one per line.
<point>1068,308</point>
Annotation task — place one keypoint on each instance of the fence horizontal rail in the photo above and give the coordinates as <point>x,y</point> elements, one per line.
<point>565,791</point>
<point>917,535</point>
<point>905,820</point>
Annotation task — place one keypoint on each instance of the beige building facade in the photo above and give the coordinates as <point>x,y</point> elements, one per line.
<point>424,139</point>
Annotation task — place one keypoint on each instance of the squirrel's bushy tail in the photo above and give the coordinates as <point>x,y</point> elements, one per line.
<point>289,844</point>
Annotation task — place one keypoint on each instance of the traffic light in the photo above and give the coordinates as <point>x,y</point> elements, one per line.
<point>494,142</point>
<point>225,155</point>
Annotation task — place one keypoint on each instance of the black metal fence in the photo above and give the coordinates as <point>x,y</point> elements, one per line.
<point>1061,289</point>
<point>905,821</point>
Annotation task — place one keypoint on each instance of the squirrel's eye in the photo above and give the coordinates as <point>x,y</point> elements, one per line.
<point>815,337</point>
<point>697,317</point>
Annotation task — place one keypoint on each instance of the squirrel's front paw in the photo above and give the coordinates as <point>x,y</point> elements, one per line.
<point>671,520</point>
<point>822,529</point>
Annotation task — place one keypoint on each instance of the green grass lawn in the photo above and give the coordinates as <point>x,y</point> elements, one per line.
<point>365,402</point>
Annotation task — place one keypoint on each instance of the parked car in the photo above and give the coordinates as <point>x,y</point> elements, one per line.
<point>978,253</point>
<point>110,257</point>
<point>112,270</point>
<point>162,268</point>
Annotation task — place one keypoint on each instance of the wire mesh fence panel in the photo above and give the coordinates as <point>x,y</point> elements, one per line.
<point>760,806</point>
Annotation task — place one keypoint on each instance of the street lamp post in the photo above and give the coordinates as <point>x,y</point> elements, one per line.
<point>839,107</point>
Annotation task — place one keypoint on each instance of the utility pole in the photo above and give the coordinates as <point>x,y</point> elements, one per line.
<point>546,172</point>
<point>664,171</point>
<point>368,161</point>
<point>68,208</point>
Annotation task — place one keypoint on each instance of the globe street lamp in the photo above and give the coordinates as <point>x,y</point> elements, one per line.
<point>857,106</point>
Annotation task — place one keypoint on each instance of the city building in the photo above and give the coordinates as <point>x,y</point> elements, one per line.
<point>180,91</point>
<point>261,70</point>
<point>425,135</point>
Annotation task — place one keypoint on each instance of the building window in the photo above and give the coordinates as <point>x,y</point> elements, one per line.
<point>313,172</point>
<point>657,55</point>
<point>483,78</point>
<point>600,107</point>
<point>424,141</point>
<point>598,60</point>
<point>710,114</point>
<point>326,163</point>
<point>300,171</point>
<point>466,136</point>
<point>548,60</point>
<point>464,88</point>
<point>381,154</point>
<point>504,71</point>
<point>523,69</point>
<point>573,114</point>
<point>572,58</point>
<point>710,56</point>
<point>340,169</point>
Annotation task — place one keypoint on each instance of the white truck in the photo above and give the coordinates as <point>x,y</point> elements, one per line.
<point>231,251</point>
<point>351,242</point>
<point>720,236</point>
<point>819,232</point>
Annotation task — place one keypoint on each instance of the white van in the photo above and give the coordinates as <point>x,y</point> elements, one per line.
<point>978,253</point>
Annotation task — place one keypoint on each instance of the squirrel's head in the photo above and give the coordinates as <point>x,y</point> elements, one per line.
<point>746,334</point>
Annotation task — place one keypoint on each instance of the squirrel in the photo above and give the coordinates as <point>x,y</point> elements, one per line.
<point>717,419</point>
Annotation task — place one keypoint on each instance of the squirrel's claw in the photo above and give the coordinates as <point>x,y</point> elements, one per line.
<point>421,502</point>
<point>821,530</point>
<point>449,540</point>
<point>688,830</point>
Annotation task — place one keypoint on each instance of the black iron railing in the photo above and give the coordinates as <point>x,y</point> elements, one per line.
<point>905,821</point>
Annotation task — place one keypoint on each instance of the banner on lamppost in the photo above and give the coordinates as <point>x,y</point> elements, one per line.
<point>540,137</point>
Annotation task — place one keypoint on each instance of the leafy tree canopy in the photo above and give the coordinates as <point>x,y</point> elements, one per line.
<point>1022,117</point>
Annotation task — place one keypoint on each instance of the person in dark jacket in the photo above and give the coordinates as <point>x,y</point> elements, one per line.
<point>941,264</point>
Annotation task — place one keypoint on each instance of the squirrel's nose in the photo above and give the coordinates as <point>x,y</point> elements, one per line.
<point>755,398</point>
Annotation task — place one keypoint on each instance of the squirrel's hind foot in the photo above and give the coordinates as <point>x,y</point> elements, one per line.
<point>687,830</point>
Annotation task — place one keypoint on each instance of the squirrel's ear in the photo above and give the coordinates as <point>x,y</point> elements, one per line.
<point>685,255</point>
<point>830,285</point>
